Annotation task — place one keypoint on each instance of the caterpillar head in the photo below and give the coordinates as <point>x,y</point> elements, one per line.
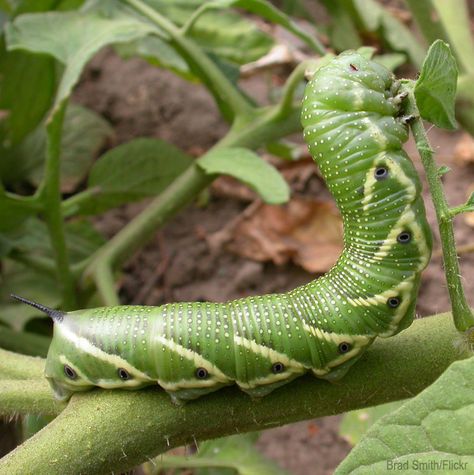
<point>76,363</point>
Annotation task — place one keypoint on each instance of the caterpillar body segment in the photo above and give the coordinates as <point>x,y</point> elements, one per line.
<point>353,127</point>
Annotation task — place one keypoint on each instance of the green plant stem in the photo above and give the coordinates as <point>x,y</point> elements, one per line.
<point>50,195</point>
<point>223,89</point>
<point>71,206</point>
<point>186,28</point>
<point>27,396</point>
<point>138,425</point>
<point>16,366</point>
<point>28,202</point>
<point>41,264</point>
<point>265,126</point>
<point>297,75</point>
<point>463,317</point>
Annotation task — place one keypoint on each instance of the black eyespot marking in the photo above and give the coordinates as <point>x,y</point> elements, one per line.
<point>393,302</point>
<point>404,237</point>
<point>124,375</point>
<point>202,373</point>
<point>354,67</point>
<point>69,372</point>
<point>344,347</point>
<point>278,368</point>
<point>381,173</point>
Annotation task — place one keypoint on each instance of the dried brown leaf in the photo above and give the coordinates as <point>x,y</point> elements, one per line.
<point>464,150</point>
<point>305,231</point>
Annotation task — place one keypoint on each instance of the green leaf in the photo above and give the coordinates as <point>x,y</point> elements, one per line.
<point>355,424</point>
<point>240,453</point>
<point>32,238</point>
<point>266,10</point>
<point>437,426</point>
<point>72,38</point>
<point>223,33</point>
<point>435,89</point>
<point>23,102</point>
<point>12,214</point>
<point>84,134</point>
<point>132,171</point>
<point>158,53</point>
<point>249,168</point>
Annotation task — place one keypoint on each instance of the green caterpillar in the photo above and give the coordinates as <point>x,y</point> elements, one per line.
<point>352,124</point>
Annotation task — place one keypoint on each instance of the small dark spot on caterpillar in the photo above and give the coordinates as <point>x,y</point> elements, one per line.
<point>381,173</point>
<point>354,67</point>
<point>124,375</point>
<point>404,237</point>
<point>360,190</point>
<point>344,347</point>
<point>393,302</point>
<point>202,373</point>
<point>278,368</point>
<point>69,372</point>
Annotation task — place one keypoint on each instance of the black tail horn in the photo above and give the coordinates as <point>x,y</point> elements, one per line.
<point>56,315</point>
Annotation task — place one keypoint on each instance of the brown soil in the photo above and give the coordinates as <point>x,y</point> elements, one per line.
<point>178,265</point>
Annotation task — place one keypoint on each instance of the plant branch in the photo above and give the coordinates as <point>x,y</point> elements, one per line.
<point>27,396</point>
<point>138,425</point>
<point>463,317</point>
<point>50,195</point>
<point>225,92</point>
<point>203,8</point>
<point>16,366</point>
<point>70,206</point>
<point>41,264</point>
<point>295,78</point>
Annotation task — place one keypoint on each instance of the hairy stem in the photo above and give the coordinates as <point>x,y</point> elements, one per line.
<point>463,317</point>
<point>51,198</point>
<point>138,425</point>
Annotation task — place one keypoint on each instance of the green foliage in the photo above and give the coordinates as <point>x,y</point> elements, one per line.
<point>434,427</point>
<point>435,90</point>
<point>130,172</point>
<point>26,105</point>
<point>249,168</point>
<point>84,134</point>
<point>72,38</point>
<point>52,256</point>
